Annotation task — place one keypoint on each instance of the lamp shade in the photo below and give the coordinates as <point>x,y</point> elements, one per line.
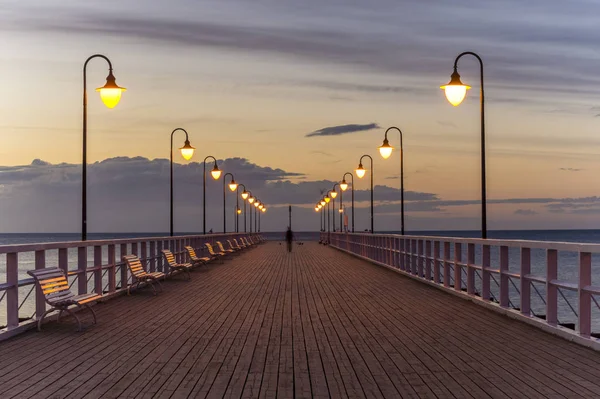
<point>386,149</point>
<point>216,172</point>
<point>327,199</point>
<point>251,199</point>
<point>110,93</point>
<point>333,194</point>
<point>360,171</point>
<point>455,90</point>
<point>233,185</point>
<point>264,209</point>
<point>323,202</point>
<point>344,185</point>
<point>245,194</point>
<point>187,151</point>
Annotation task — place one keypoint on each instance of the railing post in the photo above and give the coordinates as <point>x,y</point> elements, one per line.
<point>112,270</point>
<point>98,272</point>
<point>436,262</point>
<point>485,273</point>
<point>12,293</point>
<point>402,253</point>
<point>123,252</point>
<point>446,264</point>
<point>428,260</point>
<point>414,257</point>
<point>152,256</point>
<point>40,303</point>
<point>457,266</point>
<point>144,253</point>
<point>525,283</point>
<point>551,289</point>
<point>421,260</point>
<point>584,320</point>
<point>470,269</point>
<point>504,278</point>
<point>82,270</point>
<point>159,248</point>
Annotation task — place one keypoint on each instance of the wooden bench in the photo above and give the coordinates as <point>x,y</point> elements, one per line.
<point>247,242</point>
<point>211,251</point>
<point>181,267</point>
<point>242,245</point>
<point>196,260</point>
<point>54,285</point>
<point>227,251</point>
<point>235,247</point>
<point>140,275</point>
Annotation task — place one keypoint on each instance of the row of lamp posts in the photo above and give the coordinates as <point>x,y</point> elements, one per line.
<point>455,92</point>
<point>110,94</point>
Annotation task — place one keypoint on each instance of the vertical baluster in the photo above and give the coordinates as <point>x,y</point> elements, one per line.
<point>144,253</point>
<point>428,260</point>
<point>446,264</point>
<point>457,266</point>
<point>402,253</point>
<point>584,320</point>
<point>112,269</point>
<point>485,274</point>
<point>421,260</point>
<point>551,289</point>
<point>159,248</point>
<point>436,262</point>
<point>413,256</point>
<point>152,256</point>
<point>177,249</point>
<point>470,269</point>
<point>134,249</point>
<point>124,271</point>
<point>40,304</point>
<point>525,284</point>
<point>98,272</point>
<point>12,293</point>
<point>82,287</point>
<point>504,278</point>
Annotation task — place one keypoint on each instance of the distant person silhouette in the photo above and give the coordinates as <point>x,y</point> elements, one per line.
<point>289,237</point>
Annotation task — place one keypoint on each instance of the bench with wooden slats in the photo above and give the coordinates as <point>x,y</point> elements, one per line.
<point>227,251</point>
<point>181,267</point>
<point>248,243</point>
<point>55,288</point>
<point>140,275</point>
<point>211,251</point>
<point>197,260</point>
<point>235,247</point>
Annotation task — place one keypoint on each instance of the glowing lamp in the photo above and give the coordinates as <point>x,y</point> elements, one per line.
<point>455,90</point>
<point>187,151</point>
<point>386,149</point>
<point>256,204</point>
<point>239,211</point>
<point>216,172</point>
<point>264,209</point>
<point>245,195</point>
<point>360,171</point>
<point>261,206</point>
<point>333,194</point>
<point>344,185</point>
<point>251,199</point>
<point>316,209</point>
<point>110,93</point>
<point>323,202</point>
<point>233,185</point>
<point>327,199</point>
<point>341,210</point>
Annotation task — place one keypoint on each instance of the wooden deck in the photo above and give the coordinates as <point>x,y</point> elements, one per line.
<point>314,323</point>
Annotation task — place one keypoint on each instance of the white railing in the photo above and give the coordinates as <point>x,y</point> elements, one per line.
<point>555,283</point>
<point>91,266</point>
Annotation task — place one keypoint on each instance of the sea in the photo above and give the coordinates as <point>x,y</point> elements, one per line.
<point>568,263</point>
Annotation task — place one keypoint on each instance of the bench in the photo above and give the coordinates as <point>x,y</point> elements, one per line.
<point>181,267</point>
<point>54,285</point>
<point>196,260</point>
<point>211,251</point>
<point>227,251</point>
<point>140,275</point>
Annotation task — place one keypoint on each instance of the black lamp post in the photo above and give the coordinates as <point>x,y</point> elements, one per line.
<point>244,195</point>
<point>386,150</point>
<point>187,151</point>
<point>455,93</point>
<point>333,195</point>
<point>232,186</point>
<point>215,173</point>
<point>360,172</point>
<point>110,94</point>
<point>344,187</point>
<point>251,200</point>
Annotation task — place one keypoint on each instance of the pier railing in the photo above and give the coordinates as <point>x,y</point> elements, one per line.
<point>553,284</point>
<point>91,266</point>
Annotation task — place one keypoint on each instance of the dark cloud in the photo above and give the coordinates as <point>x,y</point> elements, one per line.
<point>525,212</point>
<point>570,169</point>
<point>343,129</point>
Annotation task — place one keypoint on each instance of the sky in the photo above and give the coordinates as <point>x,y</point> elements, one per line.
<point>288,96</point>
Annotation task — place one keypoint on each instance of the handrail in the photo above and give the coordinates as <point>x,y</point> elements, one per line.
<point>95,266</point>
<point>441,261</point>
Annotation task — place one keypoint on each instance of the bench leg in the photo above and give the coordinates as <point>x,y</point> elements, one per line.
<point>91,310</point>
<point>75,317</point>
<point>39,323</point>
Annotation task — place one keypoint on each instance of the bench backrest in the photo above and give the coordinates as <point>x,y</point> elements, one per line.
<point>169,257</point>
<point>220,246</point>
<point>191,252</point>
<point>53,283</point>
<point>246,241</point>
<point>232,246</point>
<point>236,243</point>
<point>210,249</point>
<point>135,265</point>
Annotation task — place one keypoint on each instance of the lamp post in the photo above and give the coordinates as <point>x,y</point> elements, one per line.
<point>344,187</point>
<point>455,92</point>
<point>256,204</point>
<point>215,173</point>
<point>327,201</point>
<point>261,208</point>
<point>187,151</point>
<point>232,186</point>
<point>251,200</point>
<point>333,195</point>
<point>360,172</point>
<point>110,94</point>
<point>386,151</point>
<point>244,195</point>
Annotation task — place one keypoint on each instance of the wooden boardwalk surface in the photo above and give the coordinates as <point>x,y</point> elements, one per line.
<point>316,323</point>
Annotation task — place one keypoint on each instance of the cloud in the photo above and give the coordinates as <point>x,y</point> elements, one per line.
<point>570,169</point>
<point>343,129</point>
<point>525,212</point>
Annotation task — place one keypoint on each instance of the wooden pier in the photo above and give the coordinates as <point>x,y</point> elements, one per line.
<point>313,323</point>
